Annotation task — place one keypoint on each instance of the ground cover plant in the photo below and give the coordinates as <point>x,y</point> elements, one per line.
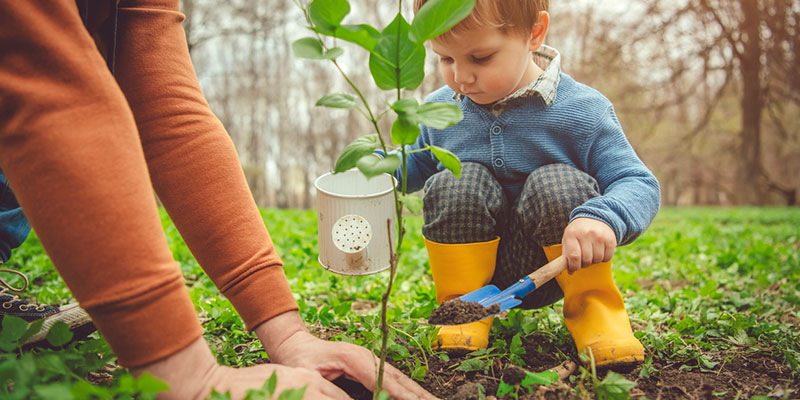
<point>713,295</point>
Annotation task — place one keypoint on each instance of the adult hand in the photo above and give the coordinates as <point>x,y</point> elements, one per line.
<point>587,241</point>
<point>193,372</point>
<point>288,343</point>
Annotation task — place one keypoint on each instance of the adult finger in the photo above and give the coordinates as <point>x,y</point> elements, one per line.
<point>239,380</point>
<point>362,366</point>
<point>396,382</point>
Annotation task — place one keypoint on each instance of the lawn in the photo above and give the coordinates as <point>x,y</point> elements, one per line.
<point>712,293</point>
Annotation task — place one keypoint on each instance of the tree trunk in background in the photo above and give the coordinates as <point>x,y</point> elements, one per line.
<point>748,186</point>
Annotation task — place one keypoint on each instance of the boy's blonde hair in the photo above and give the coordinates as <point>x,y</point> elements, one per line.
<point>510,16</point>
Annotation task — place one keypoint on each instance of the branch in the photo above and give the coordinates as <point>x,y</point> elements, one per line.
<point>725,30</point>
<point>710,109</point>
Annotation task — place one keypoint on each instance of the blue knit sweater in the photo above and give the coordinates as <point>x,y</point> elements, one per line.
<point>579,129</point>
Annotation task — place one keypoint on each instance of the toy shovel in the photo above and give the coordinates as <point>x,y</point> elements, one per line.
<point>489,296</point>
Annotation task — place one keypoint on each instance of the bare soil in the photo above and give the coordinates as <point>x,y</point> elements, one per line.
<point>740,374</point>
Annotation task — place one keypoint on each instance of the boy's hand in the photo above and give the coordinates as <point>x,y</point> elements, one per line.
<point>587,241</point>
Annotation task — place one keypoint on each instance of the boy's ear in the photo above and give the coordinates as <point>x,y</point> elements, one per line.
<point>539,31</point>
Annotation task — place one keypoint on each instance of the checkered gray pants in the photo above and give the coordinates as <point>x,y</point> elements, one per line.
<point>476,209</point>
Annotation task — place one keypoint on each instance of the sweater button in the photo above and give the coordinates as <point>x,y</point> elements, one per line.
<point>496,130</point>
<point>498,162</point>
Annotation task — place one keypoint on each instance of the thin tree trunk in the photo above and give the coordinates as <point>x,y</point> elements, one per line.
<point>752,103</point>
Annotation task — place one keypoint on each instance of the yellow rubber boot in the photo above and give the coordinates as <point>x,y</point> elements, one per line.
<point>595,315</point>
<point>458,269</point>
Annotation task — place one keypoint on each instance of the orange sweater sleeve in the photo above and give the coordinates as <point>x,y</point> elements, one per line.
<point>83,154</point>
<point>193,164</point>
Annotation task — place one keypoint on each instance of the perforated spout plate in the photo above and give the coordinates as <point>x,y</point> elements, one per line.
<point>351,233</point>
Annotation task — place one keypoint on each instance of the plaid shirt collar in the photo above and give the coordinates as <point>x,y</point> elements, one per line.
<point>549,60</point>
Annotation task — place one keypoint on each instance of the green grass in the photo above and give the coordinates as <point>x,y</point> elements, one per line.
<point>698,282</point>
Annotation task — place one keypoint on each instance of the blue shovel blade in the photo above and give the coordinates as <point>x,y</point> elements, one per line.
<point>479,295</point>
<point>507,299</point>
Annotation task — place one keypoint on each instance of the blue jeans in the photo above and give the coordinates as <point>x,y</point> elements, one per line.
<point>14,227</point>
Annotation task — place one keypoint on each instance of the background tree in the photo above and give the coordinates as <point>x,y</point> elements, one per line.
<point>707,90</point>
<point>714,50</point>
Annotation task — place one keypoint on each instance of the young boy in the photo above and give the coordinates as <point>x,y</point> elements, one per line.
<point>546,169</point>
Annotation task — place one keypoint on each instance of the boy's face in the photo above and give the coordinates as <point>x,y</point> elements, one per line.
<point>486,64</point>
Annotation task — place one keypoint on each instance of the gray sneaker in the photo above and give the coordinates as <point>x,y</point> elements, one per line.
<point>75,317</point>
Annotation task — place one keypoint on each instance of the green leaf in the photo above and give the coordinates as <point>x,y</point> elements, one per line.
<point>706,362</point>
<point>539,378</point>
<point>293,394</point>
<point>614,386</point>
<point>85,390</point>
<point>419,372</point>
<point>59,334</point>
<point>9,370</point>
<point>353,152</point>
<point>412,202</point>
<point>516,345</point>
<point>437,17</point>
<point>439,115</point>
<point>126,384</point>
<point>311,48</point>
<point>150,384</point>
<point>326,15</point>
<point>7,346</point>
<point>406,105</point>
<point>308,47</point>
<point>448,159</point>
<point>333,53</point>
<point>405,129</point>
<point>337,100</point>
<point>399,352</point>
<point>397,63</point>
<point>472,364</point>
<point>362,35</point>
<point>33,329</point>
<point>13,328</point>
<point>215,395</point>
<point>371,165</point>
<point>504,389</point>
<point>53,391</point>
<point>343,308</point>
<point>271,383</point>
<point>52,363</point>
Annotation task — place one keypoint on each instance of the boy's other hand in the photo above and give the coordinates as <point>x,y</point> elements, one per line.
<point>587,241</point>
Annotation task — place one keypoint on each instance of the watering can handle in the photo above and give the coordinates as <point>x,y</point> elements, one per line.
<point>548,271</point>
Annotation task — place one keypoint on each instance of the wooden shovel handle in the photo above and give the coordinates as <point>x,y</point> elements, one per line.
<point>548,271</point>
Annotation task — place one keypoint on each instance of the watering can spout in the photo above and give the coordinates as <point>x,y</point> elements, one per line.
<point>351,234</point>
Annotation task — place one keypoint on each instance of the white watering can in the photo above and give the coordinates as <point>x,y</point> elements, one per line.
<point>355,220</point>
